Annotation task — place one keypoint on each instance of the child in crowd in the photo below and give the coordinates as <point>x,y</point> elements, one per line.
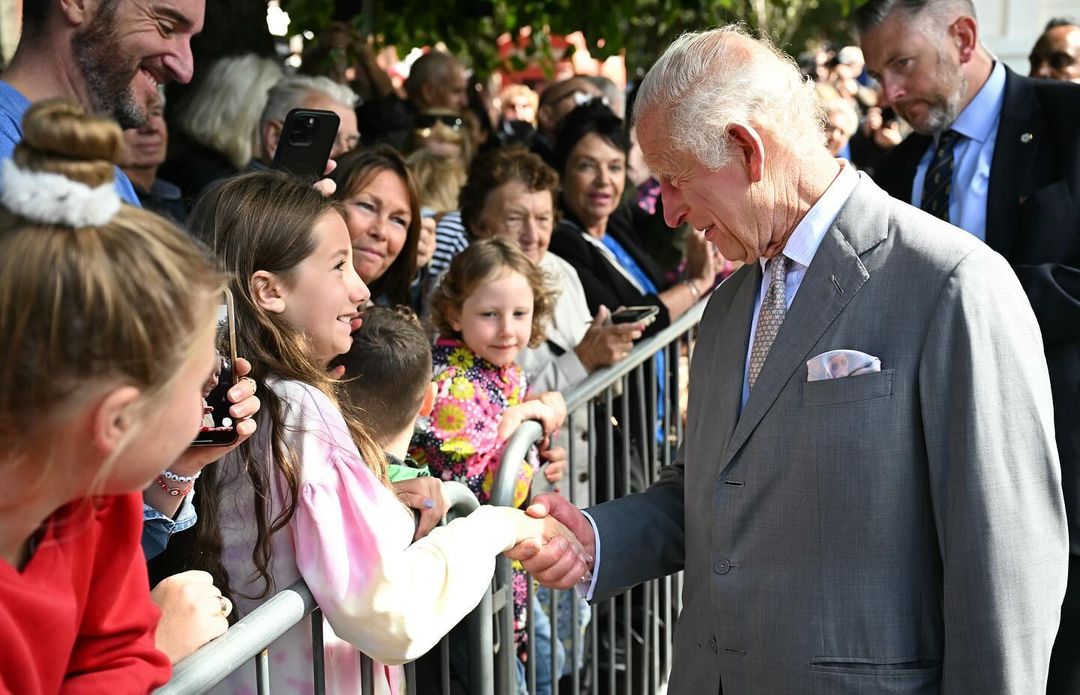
<point>309,498</point>
<point>107,316</point>
<point>388,379</point>
<point>491,304</point>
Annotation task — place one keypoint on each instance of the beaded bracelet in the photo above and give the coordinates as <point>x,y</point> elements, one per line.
<point>174,491</point>
<point>169,475</point>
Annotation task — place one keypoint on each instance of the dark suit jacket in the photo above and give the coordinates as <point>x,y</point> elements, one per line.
<point>1033,220</point>
<point>602,282</point>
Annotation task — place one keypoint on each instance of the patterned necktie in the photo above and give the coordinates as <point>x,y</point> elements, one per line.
<point>773,309</point>
<point>938,181</point>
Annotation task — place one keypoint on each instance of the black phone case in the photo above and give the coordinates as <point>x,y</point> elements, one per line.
<point>306,140</point>
<point>223,429</point>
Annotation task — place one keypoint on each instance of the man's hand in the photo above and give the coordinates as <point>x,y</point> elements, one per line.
<point>426,496</point>
<point>193,612</point>
<point>557,564</point>
<point>605,343</point>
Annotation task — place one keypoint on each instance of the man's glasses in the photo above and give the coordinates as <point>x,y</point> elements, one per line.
<point>428,120</point>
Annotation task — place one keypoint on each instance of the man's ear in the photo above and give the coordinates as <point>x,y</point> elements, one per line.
<point>749,149</point>
<point>964,33</point>
<point>112,418</point>
<point>271,135</point>
<point>78,12</point>
<point>429,401</point>
<point>268,291</point>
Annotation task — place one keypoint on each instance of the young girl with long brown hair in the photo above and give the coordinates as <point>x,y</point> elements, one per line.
<point>307,497</point>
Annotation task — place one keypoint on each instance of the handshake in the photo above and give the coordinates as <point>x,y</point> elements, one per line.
<point>555,542</point>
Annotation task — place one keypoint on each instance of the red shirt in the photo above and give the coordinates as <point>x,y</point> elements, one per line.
<point>78,618</point>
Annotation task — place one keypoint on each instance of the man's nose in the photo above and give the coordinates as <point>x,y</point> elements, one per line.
<point>891,91</point>
<point>180,63</point>
<point>673,215</point>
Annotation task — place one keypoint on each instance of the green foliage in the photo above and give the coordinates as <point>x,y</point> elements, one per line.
<point>641,28</point>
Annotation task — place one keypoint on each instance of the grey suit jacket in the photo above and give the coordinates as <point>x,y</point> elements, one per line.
<point>897,532</point>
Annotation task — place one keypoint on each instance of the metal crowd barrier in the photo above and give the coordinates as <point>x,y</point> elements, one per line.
<point>626,648</point>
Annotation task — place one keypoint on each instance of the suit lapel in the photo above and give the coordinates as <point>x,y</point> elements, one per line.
<point>1020,135</point>
<point>833,279</point>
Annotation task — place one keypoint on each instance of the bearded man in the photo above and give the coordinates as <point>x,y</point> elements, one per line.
<point>998,155</point>
<point>107,55</point>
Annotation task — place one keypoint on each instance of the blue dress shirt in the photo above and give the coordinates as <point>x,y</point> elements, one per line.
<point>972,156</point>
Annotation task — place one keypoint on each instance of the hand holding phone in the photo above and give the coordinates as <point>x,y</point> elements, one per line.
<point>635,314</point>
<point>218,426</point>
<point>306,141</point>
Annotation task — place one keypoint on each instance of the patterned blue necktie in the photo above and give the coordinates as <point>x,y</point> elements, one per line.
<point>938,182</point>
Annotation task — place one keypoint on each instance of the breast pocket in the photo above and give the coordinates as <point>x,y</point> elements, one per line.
<point>849,389</point>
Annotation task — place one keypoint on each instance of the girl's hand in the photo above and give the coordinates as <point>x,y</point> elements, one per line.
<point>426,496</point>
<point>541,531</point>
<point>244,406</point>
<point>555,466</point>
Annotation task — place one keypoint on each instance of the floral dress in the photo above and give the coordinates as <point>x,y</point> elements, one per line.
<point>459,440</point>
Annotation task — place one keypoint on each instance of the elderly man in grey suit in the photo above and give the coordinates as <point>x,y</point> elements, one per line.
<point>867,498</point>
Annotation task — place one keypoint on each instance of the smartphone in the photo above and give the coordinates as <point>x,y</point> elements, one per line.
<point>306,141</point>
<point>635,314</point>
<point>218,426</point>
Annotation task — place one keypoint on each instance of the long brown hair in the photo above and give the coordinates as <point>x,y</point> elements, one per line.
<point>265,221</point>
<point>354,171</point>
<point>125,301</point>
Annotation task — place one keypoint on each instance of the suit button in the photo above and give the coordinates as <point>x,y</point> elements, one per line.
<point>722,566</point>
<point>712,645</point>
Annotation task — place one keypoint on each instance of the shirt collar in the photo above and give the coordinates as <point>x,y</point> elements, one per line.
<point>804,241</point>
<point>978,119</point>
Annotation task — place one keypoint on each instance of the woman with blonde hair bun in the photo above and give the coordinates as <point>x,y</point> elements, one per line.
<point>107,315</point>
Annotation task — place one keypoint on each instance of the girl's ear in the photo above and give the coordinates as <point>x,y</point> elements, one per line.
<point>112,418</point>
<point>268,291</point>
<point>453,317</point>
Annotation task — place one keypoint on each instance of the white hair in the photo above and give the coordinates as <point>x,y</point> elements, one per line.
<point>706,81</point>
<point>291,92</point>
<point>223,112</point>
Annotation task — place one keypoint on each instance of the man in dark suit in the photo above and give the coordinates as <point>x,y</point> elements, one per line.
<point>998,155</point>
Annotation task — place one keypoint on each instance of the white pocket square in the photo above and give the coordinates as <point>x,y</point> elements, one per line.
<point>836,364</point>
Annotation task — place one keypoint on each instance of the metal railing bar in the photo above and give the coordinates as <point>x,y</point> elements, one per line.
<point>596,382</point>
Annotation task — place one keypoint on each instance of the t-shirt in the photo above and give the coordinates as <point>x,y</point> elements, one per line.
<point>12,107</point>
<point>78,617</point>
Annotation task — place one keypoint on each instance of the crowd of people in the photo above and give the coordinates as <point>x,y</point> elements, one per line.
<point>878,486</point>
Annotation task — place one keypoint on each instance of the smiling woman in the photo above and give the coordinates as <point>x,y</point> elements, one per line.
<point>383,215</point>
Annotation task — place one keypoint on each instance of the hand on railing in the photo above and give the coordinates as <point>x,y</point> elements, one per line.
<point>425,495</point>
<point>560,563</point>
<point>555,461</point>
<point>193,612</point>
<point>548,408</point>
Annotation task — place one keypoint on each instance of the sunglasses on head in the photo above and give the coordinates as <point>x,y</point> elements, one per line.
<point>428,120</point>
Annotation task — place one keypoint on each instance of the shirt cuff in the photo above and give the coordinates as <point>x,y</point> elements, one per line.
<point>585,589</point>
<point>158,528</point>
